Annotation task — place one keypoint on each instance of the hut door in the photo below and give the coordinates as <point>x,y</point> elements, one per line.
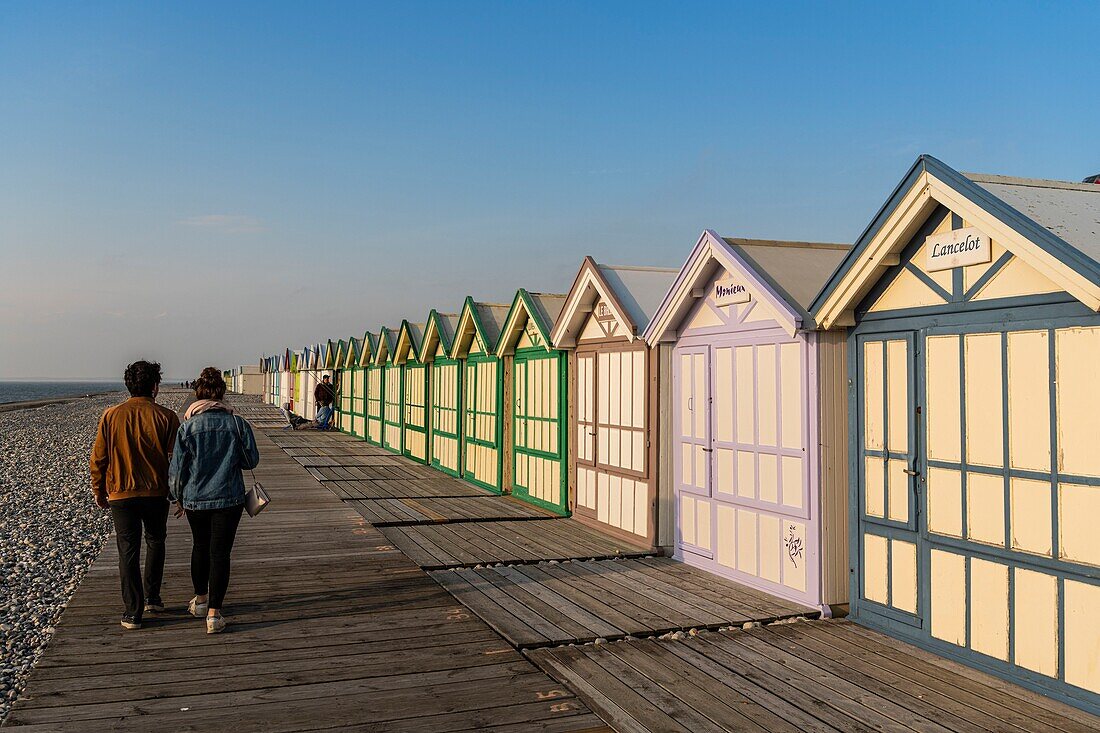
<point>536,433</point>
<point>889,476</point>
<point>691,386</point>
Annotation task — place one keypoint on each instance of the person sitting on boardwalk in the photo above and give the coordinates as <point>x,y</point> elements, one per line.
<point>324,395</point>
<point>212,447</point>
<point>129,467</point>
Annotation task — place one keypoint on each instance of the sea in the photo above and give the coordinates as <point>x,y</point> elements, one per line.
<point>31,390</point>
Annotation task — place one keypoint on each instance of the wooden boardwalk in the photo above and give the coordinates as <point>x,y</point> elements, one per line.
<point>334,627</point>
<point>824,676</point>
<point>578,602</point>
<point>331,627</point>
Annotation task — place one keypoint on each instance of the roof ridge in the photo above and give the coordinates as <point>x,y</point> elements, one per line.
<point>1032,182</point>
<point>640,268</point>
<point>786,243</point>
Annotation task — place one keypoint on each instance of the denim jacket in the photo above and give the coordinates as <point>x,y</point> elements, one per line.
<point>211,450</point>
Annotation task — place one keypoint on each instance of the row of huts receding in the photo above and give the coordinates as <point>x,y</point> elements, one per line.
<point>905,425</point>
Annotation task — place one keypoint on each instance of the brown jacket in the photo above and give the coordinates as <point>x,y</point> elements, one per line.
<point>130,456</point>
<point>323,394</point>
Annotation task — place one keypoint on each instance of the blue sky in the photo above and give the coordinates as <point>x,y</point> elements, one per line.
<point>200,184</point>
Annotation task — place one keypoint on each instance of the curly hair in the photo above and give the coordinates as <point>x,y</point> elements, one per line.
<point>142,378</point>
<point>210,385</point>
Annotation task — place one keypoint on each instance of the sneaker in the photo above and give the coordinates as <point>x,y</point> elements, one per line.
<point>196,609</point>
<point>154,605</point>
<point>215,624</point>
<point>131,623</point>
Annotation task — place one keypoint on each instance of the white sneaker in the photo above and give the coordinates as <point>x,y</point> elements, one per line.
<point>196,609</point>
<point>215,624</point>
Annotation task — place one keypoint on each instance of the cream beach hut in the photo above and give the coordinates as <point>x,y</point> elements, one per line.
<point>392,400</point>
<point>353,390</point>
<point>971,303</point>
<point>414,376</point>
<point>375,382</point>
<point>615,455</point>
<point>537,400</point>
<point>758,415</point>
<point>444,392</point>
<point>482,391</point>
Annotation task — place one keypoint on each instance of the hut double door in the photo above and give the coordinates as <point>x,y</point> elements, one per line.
<point>741,459</point>
<point>483,397</point>
<point>416,412</point>
<point>392,409</point>
<point>611,439</point>
<point>537,437</point>
<point>445,401</point>
<point>357,385</point>
<point>375,401</point>
<point>978,492</point>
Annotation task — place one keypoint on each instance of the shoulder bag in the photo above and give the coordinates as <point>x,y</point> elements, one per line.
<point>255,498</point>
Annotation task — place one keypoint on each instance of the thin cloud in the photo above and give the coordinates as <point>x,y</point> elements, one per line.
<point>227,223</point>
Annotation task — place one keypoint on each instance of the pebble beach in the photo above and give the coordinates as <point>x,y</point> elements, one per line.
<point>50,529</point>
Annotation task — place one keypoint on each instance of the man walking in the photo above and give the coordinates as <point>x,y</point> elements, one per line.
<point>324,395</point>
<point>129,468</point>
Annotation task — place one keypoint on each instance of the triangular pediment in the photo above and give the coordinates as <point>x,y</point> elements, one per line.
<point>930,188</point>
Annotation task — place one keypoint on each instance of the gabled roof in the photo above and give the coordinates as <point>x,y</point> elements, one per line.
<point>386,345</point>
<point>368,347</point>
<point>439,329</point>
<point>1053,226</point>
<point>632,293</point>
<point>783,276</point>
<point>539,309</point>
<point>351,353</point>
<point>407,346</point>
<point>483,319</point>
<point>333,353</point>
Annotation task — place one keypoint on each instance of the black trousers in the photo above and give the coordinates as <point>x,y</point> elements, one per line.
<point>130,516</point>
<point>213,531</point>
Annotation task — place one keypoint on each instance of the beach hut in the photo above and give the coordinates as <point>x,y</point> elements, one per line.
<point>340,379</point>
<point>414,375</point>
<point>286,380</point>
<point>353,390</point>
<point>971,303</point>
<point>757,414</point>
<point>538,400</point>
<point>374,378</point>
<point>392,398</point>
<point>482,392</point>
<point>444,392</point>
<point>614,475</point>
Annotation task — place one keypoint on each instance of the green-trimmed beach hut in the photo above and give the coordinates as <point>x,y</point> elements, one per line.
<point>444,392</point>
<point>414,376</point>
<point>353,389</point>
<point>538,401</point>
<point>375,380</point>
<point>393,391</point>
<point>482,390</point>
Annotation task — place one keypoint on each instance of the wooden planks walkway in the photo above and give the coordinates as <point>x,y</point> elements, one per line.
<point>466,545</point>
<point>439,510</point>
<point>331,627</point>
<point>826,676</point>
<point>578,602</point>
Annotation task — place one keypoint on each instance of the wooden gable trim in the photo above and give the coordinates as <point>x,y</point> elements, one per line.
<point>710,253</point>
<point>406,348</point>
<point>469,325</point>
<point>589,286</point>
<point>929,184</point>
<point>514,326</point>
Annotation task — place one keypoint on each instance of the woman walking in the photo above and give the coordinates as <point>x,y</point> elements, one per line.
<point>212,447</point>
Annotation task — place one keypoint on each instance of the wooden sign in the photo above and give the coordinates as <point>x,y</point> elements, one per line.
<point>728,291</point>
<point>957,248</point>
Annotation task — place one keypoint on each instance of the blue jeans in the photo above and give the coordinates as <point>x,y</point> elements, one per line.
<point>324,414</point>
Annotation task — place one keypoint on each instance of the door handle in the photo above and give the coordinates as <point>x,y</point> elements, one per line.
<point>910,472</point>
<point>708,450</point>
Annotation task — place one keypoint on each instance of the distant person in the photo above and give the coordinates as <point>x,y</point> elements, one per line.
<point>324,395</point>
<point>129,468</point>
<point>212,447</point>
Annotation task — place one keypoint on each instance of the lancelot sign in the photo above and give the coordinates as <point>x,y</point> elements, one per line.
<point>728,291</point>
<point>957,248</point>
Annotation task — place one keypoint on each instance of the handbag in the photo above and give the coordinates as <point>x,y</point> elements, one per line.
<point>255,498</point>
